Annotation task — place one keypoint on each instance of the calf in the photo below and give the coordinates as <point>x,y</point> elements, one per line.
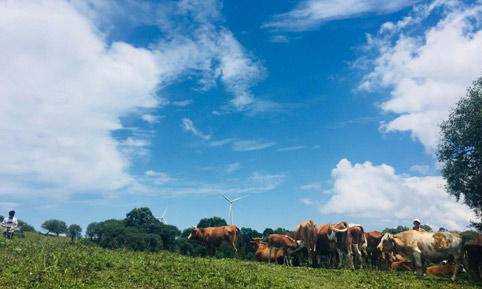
<point>417,245</point>
<point>279,241</point>
<point>262,252</point>
<point>370,252</point>
<point>213,237</point>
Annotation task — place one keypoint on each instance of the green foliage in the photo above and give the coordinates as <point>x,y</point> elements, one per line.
<point>469,235</point>
<point>427,228</point>
<point>24,227</point>
<point>74,231</point>
<point>246,250</point>
<point>93,231</point>
<point>269,231</point>
<point>40,262</point>
<point>212,222</point>
<point>140,217</point>
<point>55,226</point>
<point>396,230</point>
<point>139,231</point>
<point>460,149</point>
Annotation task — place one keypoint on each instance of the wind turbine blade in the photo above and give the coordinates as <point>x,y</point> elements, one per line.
<point>239,198</point>
<point>164,213</point>
<point>227,199</point>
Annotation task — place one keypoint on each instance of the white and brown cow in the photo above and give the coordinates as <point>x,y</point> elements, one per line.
<point>415,245</point>
<point>333,242</point>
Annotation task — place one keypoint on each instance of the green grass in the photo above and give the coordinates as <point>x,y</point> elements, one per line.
<point>48,262</point>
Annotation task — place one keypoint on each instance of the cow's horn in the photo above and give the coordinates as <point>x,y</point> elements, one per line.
<point>339,230</point>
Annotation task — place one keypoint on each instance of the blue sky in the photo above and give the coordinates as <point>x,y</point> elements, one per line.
<point>325,110</point>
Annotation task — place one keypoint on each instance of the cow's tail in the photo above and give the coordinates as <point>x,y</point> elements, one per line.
<point>237,233</point>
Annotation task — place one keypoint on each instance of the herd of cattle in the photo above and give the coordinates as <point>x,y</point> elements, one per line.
<point>348,245</point>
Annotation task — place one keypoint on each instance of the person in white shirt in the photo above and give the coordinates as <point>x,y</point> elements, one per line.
<point>10,222</point>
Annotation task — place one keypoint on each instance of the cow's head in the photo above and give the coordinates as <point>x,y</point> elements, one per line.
<point>257,242</point>
<point>387,244</point>
<point>196,234</point>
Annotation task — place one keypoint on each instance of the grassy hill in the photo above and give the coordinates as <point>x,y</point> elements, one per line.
<point>48,262</point>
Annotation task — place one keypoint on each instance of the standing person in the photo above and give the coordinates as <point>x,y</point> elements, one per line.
<point>416,225</point>
<point>10,223</point>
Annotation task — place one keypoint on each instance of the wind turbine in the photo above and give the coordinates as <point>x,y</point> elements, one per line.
<point>163,217</point>
<point>231,202</point>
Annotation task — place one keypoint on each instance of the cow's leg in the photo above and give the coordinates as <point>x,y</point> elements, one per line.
<point>457,261</point>
<point>417,258</point>
<point>269,253</point>
<point>340,258</point>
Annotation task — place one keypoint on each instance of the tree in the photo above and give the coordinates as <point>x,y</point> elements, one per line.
<point>55,226</point>
<point>460,150</point>
<point>93,230</point>
<point>211,222</point>
<point>396,230</point>
<point>427,228</point>
<point>24,227</point>
<point>74,231</point>
<point>139,217</point>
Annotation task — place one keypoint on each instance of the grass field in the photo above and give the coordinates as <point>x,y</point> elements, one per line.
<point>48,262</point>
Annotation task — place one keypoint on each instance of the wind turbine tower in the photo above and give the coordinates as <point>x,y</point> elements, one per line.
<point>163,217</point>
<point>230,210</point>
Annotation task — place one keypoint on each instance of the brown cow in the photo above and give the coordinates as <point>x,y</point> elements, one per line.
<point>370,252</point>
<point>262,252</point>
<point>332,241</point>
<point>306,234</point>
<point>357,240</point>
<point>279,241</point>
<point>213,237</point>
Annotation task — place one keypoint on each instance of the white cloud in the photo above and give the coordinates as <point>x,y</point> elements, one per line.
<point>310,13</point>
<point>232,167</point>
<point>307,202</point>
<point>182,103</point>
<point>188,125</point>
<point>377,192</point>
<point>150,118</point>
<point>250,145</point>
<point>420,169</point>
<point>426,73</point>
<point>311,186</point>
<point>159,178</point>
<point>64,86</point>
<point>63,90</point>
<point>291,148</point>
<point>279,39</point>
<point>258,182</point>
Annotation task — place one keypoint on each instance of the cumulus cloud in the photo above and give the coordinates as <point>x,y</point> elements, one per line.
<point>311,13</point>
<point>377,192</point>
<point>63,90</point>
<point>426,72</point>
<point>65,86</point>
